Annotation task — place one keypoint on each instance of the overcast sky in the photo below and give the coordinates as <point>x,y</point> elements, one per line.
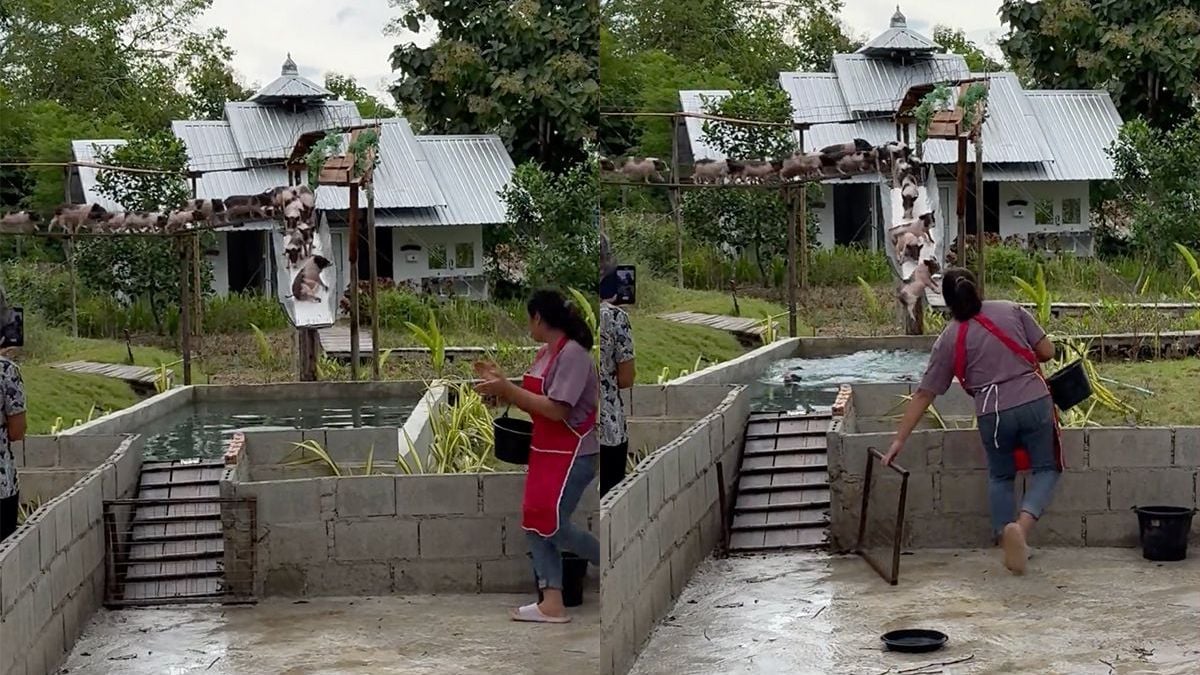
<point>346,36</point>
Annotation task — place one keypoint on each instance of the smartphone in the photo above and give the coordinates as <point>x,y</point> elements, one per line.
<point>12,329</point>
<point>626,285</point>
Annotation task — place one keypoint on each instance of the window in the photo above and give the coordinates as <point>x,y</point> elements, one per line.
<point>1043,212</point>
<point>437,257</point>
<point>1072,212</point>
<point>464,256</point>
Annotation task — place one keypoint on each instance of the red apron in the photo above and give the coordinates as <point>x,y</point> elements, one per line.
<point>1020,454</point>
<point>552,451</point>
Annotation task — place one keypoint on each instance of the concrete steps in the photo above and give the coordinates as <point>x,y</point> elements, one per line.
<point>782,496</point>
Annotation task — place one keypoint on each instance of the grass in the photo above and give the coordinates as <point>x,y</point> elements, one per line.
<point>51,394</point>
<point>1173,383</point>
<point>662,344</point>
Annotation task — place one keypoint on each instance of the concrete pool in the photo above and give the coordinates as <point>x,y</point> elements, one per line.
<point>808,384</point>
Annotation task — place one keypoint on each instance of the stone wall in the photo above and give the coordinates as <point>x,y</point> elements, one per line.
<point>1109,470</point>
<point>52,569</point>
<point>378,534</point>
<point>664,518</point>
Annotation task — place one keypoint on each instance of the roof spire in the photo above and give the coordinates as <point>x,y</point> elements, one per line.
<point>289,66</point>
<point>898,20</point>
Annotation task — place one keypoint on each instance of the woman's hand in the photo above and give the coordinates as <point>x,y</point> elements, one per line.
<point>893,451</point>
<point>494,387</point>
<point>488,370</point>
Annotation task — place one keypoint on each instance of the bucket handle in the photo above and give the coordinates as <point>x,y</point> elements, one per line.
<point>1135,508</point>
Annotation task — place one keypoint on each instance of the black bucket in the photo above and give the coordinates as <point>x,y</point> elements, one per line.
<point>1070,386</point>
<point>574,570</point>
<point>513,437</point>
<point>1163,531</point>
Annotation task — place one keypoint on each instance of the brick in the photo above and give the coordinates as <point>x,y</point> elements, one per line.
<point>47,532</point>
<point>652,556</point>
<point>1074,455</point>
<point>436,495</point>
<point>61,508</point>
<point>922,452</point>
<point>919,498</point>
<point>379,539</point>
<point>1122,447</point>
<point>1163,487</point>
<point>965,492</point>
<point>1111,529</point>
<point>648,401</point>
<point>653,475</point>
<point>86,451</point>
<point>958,530</point>
<point>284,581</point>
<point>1081,491</point>
<point>637,495</point>
<point>516,542</point>
<point>271,447</point>
<point>854,448</point>
<point>300,544</point>
<point>356,445</point>
<point>962,449</point>
<point>1058,529</point>
<point>1187,447</point>
<point>716,438</point>
<point>366,496</point>
<point>440,576</point>
<point>507,575</point>
<point>672,480</point>
<point>340,578</point>
<point>41,451</point>
<point>694,401</point>
<point>460,537</point>
<point>53,646</point>
<point>292,501</point>
<point>502,492</point>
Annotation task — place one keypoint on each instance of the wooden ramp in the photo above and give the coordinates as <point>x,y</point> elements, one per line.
<point>782,497</point>
<point>175,549</point>
<point>732,324</point>
<point>136,375</point>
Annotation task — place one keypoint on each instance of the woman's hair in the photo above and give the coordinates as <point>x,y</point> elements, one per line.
<point>556,312</point>
<point>960,289</point>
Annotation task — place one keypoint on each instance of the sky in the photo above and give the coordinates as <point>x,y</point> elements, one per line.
<point>346,36</point>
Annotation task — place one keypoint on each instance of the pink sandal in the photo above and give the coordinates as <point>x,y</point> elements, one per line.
<point>532,613</point>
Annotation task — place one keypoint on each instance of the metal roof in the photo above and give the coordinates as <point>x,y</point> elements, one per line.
<point>816,97</point>
<point>1011,132</point>
<point>471,171</point>
<point>874,86</point>
<point>264,132</point>
<point>899,38</point>
<point>85,151</point>
<point>1083,125</point>
<point>403,178</point>
<point>291,86</point>
<point>693,101</point>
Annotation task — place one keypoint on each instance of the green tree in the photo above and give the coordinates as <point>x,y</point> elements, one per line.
<point>1144,52</point>
<point>526,70</point>
<point>209,82</point>
<point>1160,191</point>
<point>955,41</point>
<point>348,89</point>
<point>553,225</point>
<point>139,267</point>
<point>752,141</point>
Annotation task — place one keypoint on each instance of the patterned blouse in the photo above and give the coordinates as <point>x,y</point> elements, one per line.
<point>12,402</point>
<point>616,347</point>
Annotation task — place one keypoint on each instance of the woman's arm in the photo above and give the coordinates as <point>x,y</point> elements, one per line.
<point>913,413</point>
<point>16,427</point>
<point>626,373</point>
<point>1044,349</point>
<point>534,404</point>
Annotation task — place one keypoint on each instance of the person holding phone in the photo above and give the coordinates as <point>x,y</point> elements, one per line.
<point>12,430</point>
<point>617,372</point>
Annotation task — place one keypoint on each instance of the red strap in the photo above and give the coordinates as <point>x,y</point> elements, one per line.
<point>960,347</point>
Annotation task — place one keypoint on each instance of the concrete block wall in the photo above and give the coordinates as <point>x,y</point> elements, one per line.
<point>49,465</point>
<point>879,406</point>
<point>373,535</point>
<point>132,419</point>
<point>1108,471</point>
<point>52,570</point>
<point>664,518</point>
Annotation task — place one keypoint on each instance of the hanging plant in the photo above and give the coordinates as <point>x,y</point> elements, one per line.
<point>970,102</point>
<point>319,153</point>
<point>936,100</point>
<point>365,142</point>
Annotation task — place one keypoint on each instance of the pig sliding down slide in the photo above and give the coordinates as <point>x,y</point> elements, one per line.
<point>916,241</point>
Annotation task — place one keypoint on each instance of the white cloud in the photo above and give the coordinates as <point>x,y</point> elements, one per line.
<point>979,19</point>
<point>321,35</point>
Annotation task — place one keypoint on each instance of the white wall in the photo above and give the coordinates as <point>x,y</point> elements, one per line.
<point>415,264</point>
<point>220,266</point>
<point>1055,193</point>
<point>825,218</point>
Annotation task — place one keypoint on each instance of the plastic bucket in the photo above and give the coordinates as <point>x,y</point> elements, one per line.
<point>574,571</point>
<point>1163,531</point>
<point>1070,386</point>
<point>513,437</point>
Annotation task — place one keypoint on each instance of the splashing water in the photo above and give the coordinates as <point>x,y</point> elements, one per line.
<point>811,385</point>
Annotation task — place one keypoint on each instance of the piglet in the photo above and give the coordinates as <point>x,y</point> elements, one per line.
<point>907,246</point>
<point>922,278</point>
<point>20,222</point>
<point>707,171</point>
<point>801,165</point>
<point>644,169</point>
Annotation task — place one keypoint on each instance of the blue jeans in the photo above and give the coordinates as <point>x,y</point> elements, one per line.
<point>547,551</point>
<point>1031,426</point>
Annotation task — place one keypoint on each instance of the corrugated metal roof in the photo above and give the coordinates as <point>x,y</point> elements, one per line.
<point>1082,125</point>
<point>874,86</point>
<point>268,132</point>
<point>290,85</point>
<point>899,40</point>
<point>816,97</point>
<point>404,177</point>
<point>471,171</point>
<point>85,151</point>
<point>693,101</point>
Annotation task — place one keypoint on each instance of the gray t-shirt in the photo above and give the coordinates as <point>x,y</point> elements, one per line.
<point>989,361</point>
<point>572,381</point>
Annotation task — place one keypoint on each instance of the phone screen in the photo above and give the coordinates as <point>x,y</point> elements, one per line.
<point>626,285</point>
<point>12,332</point>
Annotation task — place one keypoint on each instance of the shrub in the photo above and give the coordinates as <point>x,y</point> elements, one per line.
<point>843,265</point>
<point>237,311</point>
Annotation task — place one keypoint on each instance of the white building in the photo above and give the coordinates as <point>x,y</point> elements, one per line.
<point>1041,149</point>
<point>433,194</point>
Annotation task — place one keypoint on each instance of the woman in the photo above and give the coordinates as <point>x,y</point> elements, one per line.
<point>617,372</point>
<point>560,391</point>
<point>12,429</point>
<point>994,349</point>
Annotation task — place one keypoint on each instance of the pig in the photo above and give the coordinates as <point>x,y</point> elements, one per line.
<point>145,221</point>
<point>209,207</point>
<point>644,169</point>
<point>248,207</point>
<point>20,222</point>
<point>918,228</point>
<point>832,154</point>
<point>907,246</point>
<point>855,163</point>
<point>179,220</point>
<point>69,218</point>
<point>754,171</point>
<point>801,165</point>
<point>910,191</point>
<point>913,290</point>
<point>607,164</point>
<point>308,280</point>
<point>114,223</point>
<point>294,248</point>
<point>710,171</point>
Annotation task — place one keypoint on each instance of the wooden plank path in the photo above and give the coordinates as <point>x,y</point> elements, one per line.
<point>732,324</point>
<point>782,497</point>
<point>141,375</point>
<point>176,550</point>
<point>335,342</point>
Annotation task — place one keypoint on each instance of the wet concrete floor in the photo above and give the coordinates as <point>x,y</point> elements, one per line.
<point>415,635</point>
<point>1077,611</point>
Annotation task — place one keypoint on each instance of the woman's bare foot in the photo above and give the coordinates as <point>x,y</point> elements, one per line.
<point>1016,552</point>
<point>552,603</point>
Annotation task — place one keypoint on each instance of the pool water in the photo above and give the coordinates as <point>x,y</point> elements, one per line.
<point>200,430</point>
<point>811,385</point>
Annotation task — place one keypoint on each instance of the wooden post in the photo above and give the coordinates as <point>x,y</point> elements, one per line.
<point>791,260</point>
<point>353,255</point>
<point>802,227</point>
<point>375,365</point>
<point>185,310</point>
<point>980,249</point>
<point>69,249</point>
<point>676,203</point>
<point>961,206</point>
<point>197,289</point>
